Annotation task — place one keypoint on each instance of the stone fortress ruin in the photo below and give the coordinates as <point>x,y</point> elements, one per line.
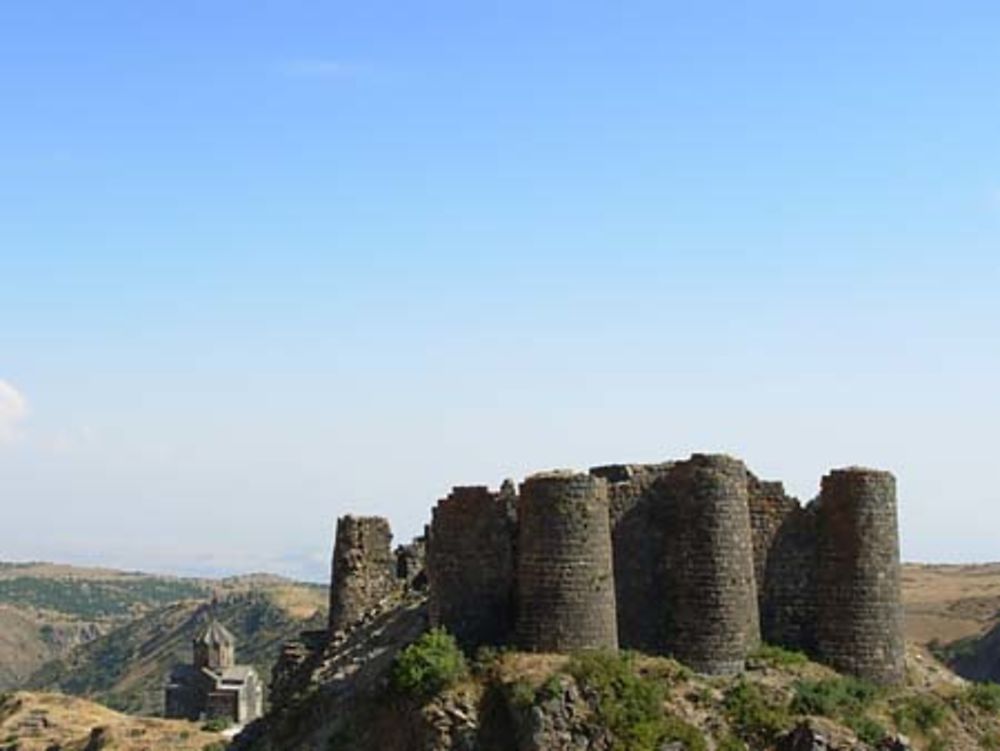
<point>695,559</point>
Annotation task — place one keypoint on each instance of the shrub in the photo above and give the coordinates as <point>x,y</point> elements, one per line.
<point>429,665</point>
<point>920,712</point>
<point>985,696</point>
<point>216,725</point>
<point>676,729</point>
<point>833,697</point>
<point>868,730</point>
<point>990,740</point>
<point>521,694</point>
<point>630,705</point>
<point>757,718</point>
<point>776,656</point>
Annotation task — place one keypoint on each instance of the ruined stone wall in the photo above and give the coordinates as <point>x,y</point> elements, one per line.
<point>470,566</point>
<point>565,577</point>
<point>860,617</point>
<point>363,568</point>
<point>709,587</point>
<point>638,546</point>
<point>788,609</point>
<point>784,541</point>
<point>411,564</point>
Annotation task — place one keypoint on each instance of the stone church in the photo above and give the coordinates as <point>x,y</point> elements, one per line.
<point>215,687</point>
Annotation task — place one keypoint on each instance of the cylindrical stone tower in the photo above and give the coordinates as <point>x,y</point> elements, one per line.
<point>470,566</point>
<point>565,579</point>
<point>363,568</point>
<point>712,612</point>
<point>859,626</point>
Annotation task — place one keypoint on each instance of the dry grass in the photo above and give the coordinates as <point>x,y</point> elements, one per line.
<point>298,601</point>
<point>37,721</point>
<point>949,602</point>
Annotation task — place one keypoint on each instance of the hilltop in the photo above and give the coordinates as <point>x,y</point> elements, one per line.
<point>350,696</point>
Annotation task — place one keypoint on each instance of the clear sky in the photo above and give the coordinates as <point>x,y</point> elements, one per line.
<point>264,263</point>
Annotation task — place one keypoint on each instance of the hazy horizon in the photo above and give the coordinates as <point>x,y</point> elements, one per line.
<point>264,266</point>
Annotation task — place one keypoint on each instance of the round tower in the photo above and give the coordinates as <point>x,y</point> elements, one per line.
<point>860,617</point>
<point>214,647</point>
<point>470,566</point>
<point>364,570</point>
<point>711,600</point>
<point>565,580</point>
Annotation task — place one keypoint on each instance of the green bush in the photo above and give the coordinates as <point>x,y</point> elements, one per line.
<point>427,667</point>
<point>630,705</point>
<point>521,694</point>
<point>778,657</point>
<point>216,725</point>
<point>921,713</point>
<point>867,729</point>
<point>676,729</point>
<point>833,697</point>
<point>985,696</point>
<point>757,718</point>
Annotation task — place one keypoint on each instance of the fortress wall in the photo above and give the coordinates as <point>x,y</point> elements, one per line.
<point>860,617</point>
<point>638,544</point>
<point>565,578</point>
<point>411,564</point>
<point>784,541</point>
<point>711,599</point>
<point>470,566</point>
<point>363,568</point>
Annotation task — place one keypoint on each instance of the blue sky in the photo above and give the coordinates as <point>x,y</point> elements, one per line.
<point>262,264</point>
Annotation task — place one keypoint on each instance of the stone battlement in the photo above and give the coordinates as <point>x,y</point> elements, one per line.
<point>697,559</point>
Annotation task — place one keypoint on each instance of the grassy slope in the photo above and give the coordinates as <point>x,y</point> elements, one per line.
<point>49,610</point>
<point>126,668</point>
<point>36,722</point>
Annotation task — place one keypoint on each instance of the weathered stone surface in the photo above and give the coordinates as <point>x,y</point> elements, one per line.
<point>638,535</point>
<point>859,625</point>
<point>803,738</point>
<point>411,564</point>
<point>784,537</point>
<point>565,577</point>
<point>364,570</point>
<point>470,566</point>
<point>712,617</point>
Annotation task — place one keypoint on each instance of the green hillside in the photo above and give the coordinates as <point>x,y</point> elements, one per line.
<point>54,615</point>
<point>126,668</point>
<point>96,599</point>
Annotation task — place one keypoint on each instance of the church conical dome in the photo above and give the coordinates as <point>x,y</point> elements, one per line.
<point>216,635</point>
<point>214,647</point>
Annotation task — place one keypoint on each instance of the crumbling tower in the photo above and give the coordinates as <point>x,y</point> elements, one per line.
<point>860,617</point>
<point>565,580</point>
<point>712,612</point>
<point>363,568</point>
<point>470,566</point>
